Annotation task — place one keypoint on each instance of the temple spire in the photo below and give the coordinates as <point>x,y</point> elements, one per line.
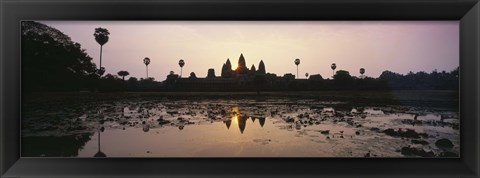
<point>261,68</point>
<point>241,61</point>
<point>228,65</point>
<point>242,67</point>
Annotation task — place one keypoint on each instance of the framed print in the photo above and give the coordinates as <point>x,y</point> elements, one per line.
<point>159,107</point>
<point>202,88</point>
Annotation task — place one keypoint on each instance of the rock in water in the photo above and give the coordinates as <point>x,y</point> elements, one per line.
<point>422,142</point>
<point>146,128</point>
<point>298,126</point>
<point>444,143</point>
<point>162,121</point>
<point>409,151</point>
<point>290,120</point>
<point>449,154</point>
<point>390,132</point>
<point>410,134</point>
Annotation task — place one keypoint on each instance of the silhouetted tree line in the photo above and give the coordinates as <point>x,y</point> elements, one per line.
<point>113,83</point>
<point>421,80</point>
<point>342,80</point>
<point>51,61</point>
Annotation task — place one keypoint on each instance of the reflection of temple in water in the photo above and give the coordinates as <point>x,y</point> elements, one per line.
<point>228,123</point>
<point>241,120</point>
<point>261,120</point>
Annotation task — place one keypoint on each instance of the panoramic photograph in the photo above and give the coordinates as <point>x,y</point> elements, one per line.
<point>240,89</point>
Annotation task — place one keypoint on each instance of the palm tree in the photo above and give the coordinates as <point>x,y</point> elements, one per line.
<point>181,63</point>
<point>146,61</point>
<point>306,75</point>
<point>99,154</point>
<point>333,66</point>
<point>123,74</point>
<point>101,36</point>
<point>362,71</point>
<point>297,62</point>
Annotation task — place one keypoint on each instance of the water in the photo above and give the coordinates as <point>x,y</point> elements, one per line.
<point>272,127</point>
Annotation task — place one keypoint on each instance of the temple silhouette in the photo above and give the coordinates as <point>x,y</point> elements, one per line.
<point>240,79</point>
<point>242,122</point>
<point>241,69</point>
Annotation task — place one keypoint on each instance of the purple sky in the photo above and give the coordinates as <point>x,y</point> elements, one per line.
<point>398,46</point>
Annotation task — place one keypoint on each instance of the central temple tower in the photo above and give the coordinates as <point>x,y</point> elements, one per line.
<point>242,67</point>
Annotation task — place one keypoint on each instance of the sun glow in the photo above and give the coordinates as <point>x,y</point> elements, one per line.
<point>235,115</point>
<point>235,119</point>
<point>234,66</point>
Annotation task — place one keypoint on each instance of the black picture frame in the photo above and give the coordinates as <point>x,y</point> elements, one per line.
<point>13,11</point>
